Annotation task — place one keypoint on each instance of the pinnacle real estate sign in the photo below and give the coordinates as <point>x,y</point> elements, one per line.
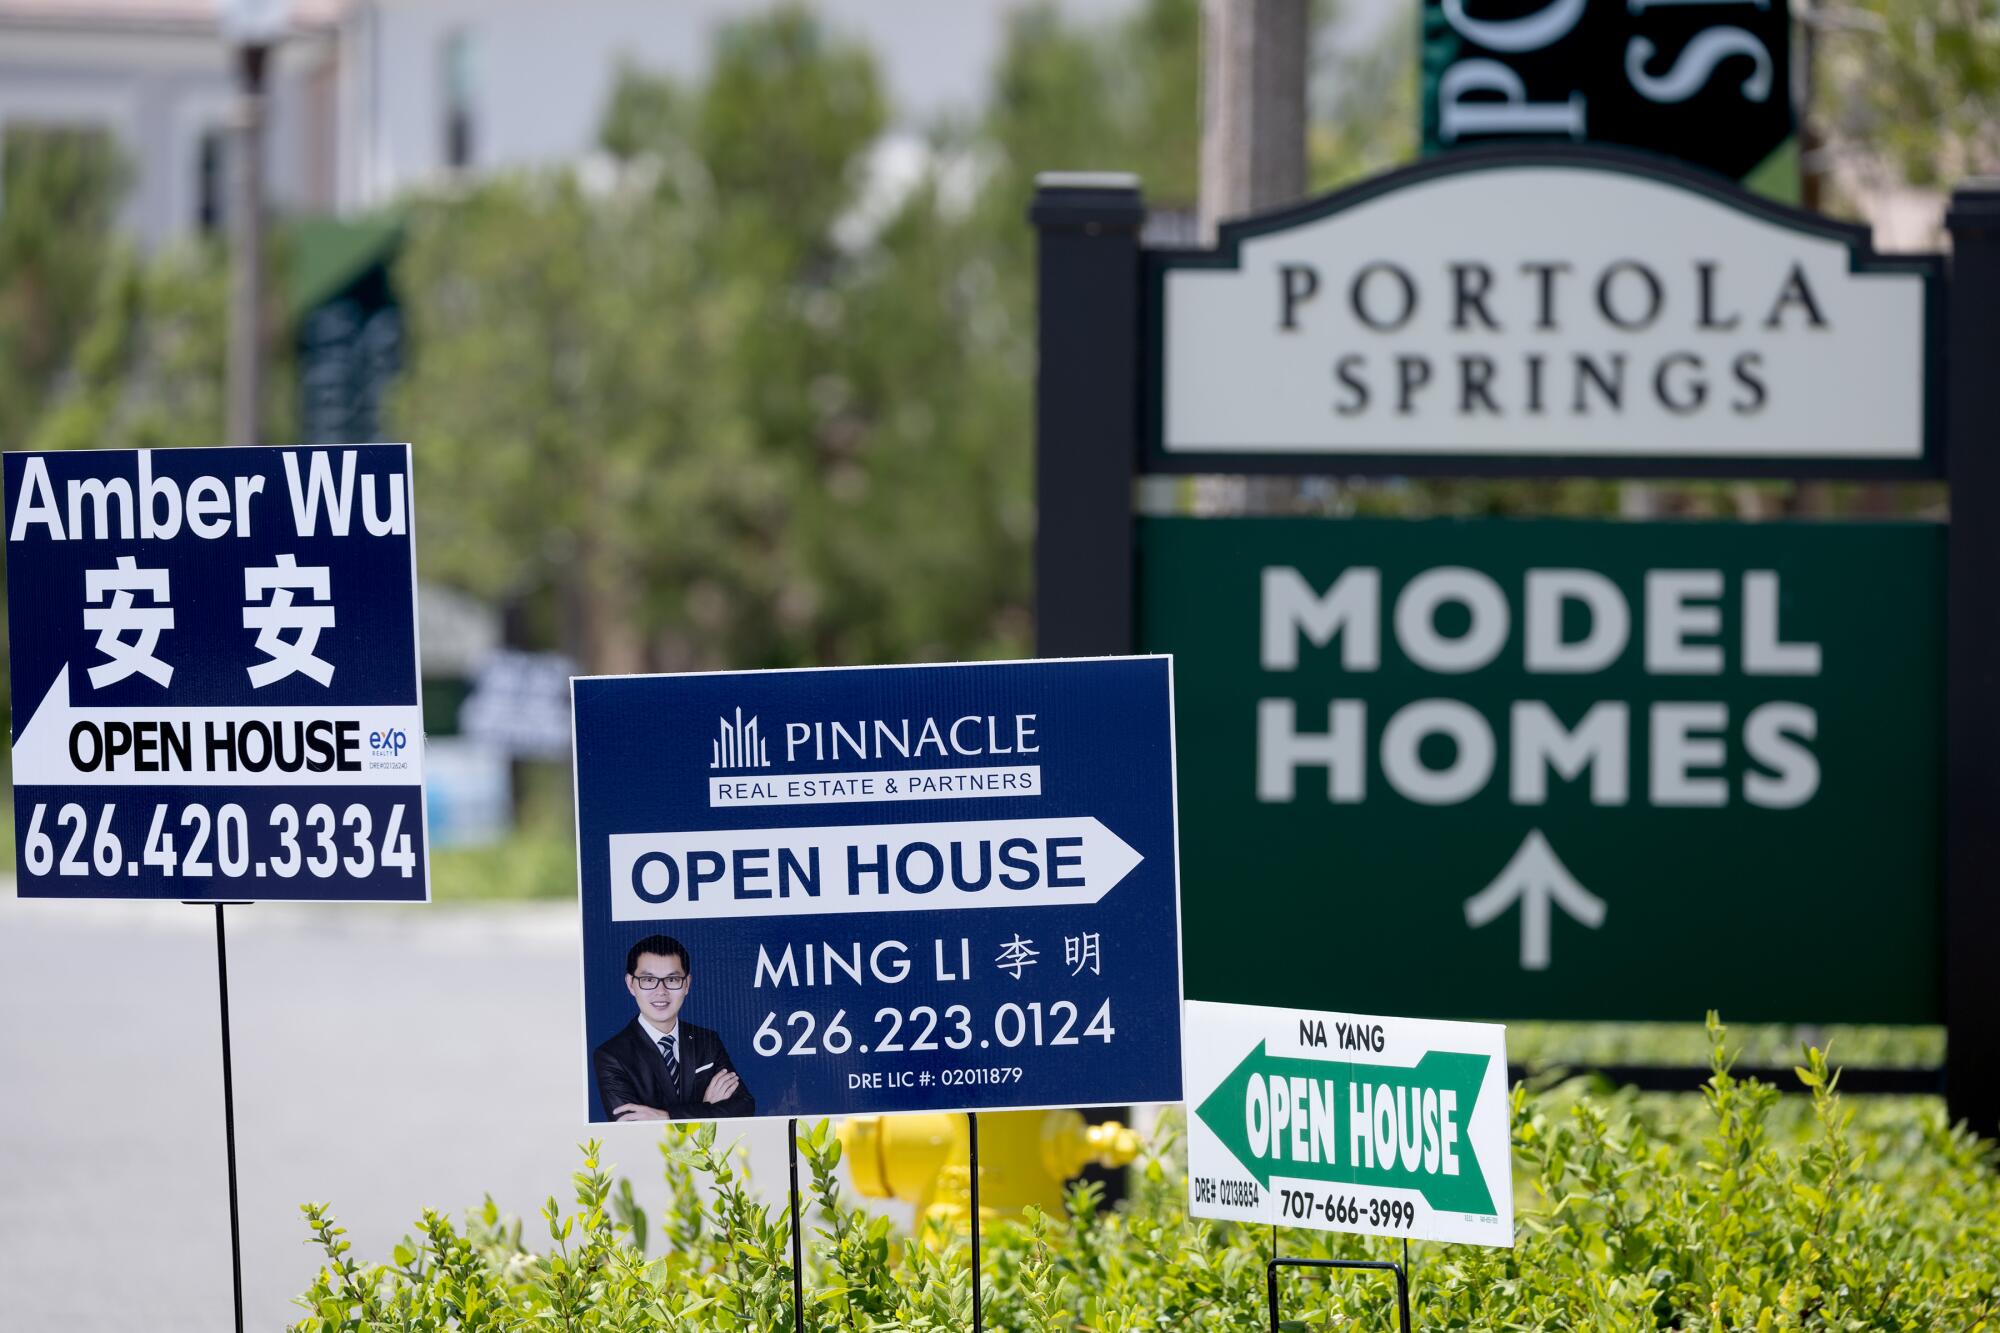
<point>1585,308</point>
<point>1708,84</point>
<point>214,675</point>
<point>890,888</point>
<point>1346,1122</point>
<point>1544,768</point>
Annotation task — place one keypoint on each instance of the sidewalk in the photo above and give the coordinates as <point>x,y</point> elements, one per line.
<point>386,1059</point>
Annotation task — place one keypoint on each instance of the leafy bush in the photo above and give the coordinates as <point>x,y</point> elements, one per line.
<point>529,863</point>
<point>1737,1209</point>
<point>1539,1046</point>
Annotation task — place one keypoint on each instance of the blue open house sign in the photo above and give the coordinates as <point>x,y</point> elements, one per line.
<point>214,671</point>
<point>879,889</point>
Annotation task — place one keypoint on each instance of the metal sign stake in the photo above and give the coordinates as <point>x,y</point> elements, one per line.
<point>798,1266</point>
<point>972,1128</point>
<point>1371,1265</point>
<point>228,1108</point>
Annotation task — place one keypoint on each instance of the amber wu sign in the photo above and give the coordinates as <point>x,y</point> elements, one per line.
<point>1514,304</point>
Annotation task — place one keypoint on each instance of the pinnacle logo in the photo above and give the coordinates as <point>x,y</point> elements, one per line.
<point>740,745</point>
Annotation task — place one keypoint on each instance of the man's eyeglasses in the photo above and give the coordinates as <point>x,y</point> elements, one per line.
<point>678,981</point>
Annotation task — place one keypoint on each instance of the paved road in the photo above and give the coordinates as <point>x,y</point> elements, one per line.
<point>386,1058</point>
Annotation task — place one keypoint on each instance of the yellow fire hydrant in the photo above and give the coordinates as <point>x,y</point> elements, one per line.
<point>1024,1158</point>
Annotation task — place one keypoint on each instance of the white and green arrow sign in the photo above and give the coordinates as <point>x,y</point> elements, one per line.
<point>1346,1122</point>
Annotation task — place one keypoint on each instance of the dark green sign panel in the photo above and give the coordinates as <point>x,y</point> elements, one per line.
<point>1557,769</point>
<point>350,340</point>
<point>1708,84</point>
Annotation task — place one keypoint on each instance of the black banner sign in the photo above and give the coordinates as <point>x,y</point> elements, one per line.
<point>1708,83</point>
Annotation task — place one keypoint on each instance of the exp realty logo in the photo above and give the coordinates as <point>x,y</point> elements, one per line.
<point>388,743</point>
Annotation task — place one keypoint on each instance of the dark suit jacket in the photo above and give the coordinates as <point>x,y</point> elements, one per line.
<point>630,1069</point>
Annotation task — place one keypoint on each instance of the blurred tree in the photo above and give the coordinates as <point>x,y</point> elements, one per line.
<point>920,547</point>
<point>568,400</point>
<point>147,370</point>
<point>1909,90</point>
<point>1121,98</point>
<point>101,347</point>
<point>1366,115</point>
<point>59,193</point>
<point>617,374</point>
<point>916,541</point>
<point>754,387</point>
<point>784,124</point>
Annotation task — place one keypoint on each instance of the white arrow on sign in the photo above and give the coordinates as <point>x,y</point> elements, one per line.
<point>213,745</point>
<point>1535,876</point>
<point>820,870</point>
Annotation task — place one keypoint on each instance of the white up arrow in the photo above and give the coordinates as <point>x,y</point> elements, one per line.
<point>1536,876</point>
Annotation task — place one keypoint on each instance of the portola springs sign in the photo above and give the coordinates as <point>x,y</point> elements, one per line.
<point>1519,303</point>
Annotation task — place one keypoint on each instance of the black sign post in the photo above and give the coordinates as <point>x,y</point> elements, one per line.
<point>1972,635</point>
<point>1105,378</point>
<point>1087,402</point>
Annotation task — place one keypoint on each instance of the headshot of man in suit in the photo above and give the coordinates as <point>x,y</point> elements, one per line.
<point>659,1066</point>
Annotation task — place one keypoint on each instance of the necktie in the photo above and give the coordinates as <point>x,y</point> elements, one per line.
<point>673,1064</point>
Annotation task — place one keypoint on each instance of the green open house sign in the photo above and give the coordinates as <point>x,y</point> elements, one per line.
<point>1343,1122</point>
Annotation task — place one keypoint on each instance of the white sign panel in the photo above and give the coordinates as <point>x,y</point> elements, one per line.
<point>1348,1122</point>
<point>1526,307</point>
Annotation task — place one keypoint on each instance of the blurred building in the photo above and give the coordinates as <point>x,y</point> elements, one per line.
<point>370,98</point>
<point>437,86</point>
<point>154,79</point>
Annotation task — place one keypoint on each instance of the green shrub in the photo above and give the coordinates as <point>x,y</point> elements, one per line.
<point>1737,1209</point>
<point>529,863</point>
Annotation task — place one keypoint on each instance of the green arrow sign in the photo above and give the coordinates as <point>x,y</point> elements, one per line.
<point>1349,1123</point>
